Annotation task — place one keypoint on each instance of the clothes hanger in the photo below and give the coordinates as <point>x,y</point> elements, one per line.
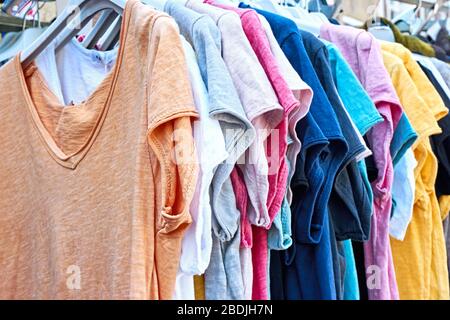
<point>107,34</point>
<point>411,17</point>
<point>74,17</point>
<point>104,22</point>
<point>431,15</point>
<point>419,7</point>
<point>19,40</point>
<point>376,28</point>
<point>112,35</point>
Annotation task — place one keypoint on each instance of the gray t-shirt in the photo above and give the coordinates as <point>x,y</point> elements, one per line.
<point>447,240</point>
<point>258,99</point>
<point>444,70</point>
<point>224,103</point>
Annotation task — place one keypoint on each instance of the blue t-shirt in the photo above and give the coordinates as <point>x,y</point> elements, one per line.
<point>343,202</point>
<point>364,114</point>
<point>316,169</point>
<point>404,137</point>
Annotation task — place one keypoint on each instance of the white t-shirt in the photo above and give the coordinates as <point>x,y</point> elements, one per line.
<point>210,144</point>
<point>403,191</point>
<point>74,72</point>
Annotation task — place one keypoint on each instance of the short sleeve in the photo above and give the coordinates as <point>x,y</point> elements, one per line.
<point>170,111</point>
<point>422,119</point>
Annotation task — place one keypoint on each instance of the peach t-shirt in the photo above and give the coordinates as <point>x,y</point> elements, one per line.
<point>95,196</point>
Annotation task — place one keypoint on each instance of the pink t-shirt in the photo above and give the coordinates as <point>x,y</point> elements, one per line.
<point>240,190</point>
<point>276,143</point>
<point>363,53</point>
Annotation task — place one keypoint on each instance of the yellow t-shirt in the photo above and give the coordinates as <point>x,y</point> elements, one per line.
<point>444,203</point>
<point>420,260</point>
<point>428,93</point>
<point>199,287</point>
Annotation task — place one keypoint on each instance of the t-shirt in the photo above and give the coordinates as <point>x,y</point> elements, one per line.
<point>197,242</point>
<point>420,264</point>
<point>365,115</point>
<point>74,72</point>
<point>116,233</point>
<point>279,237</point>
<point>65,77</point>
<point>350,282</point>
<point>444,70</point>
<point>322,153</point>
<point>403,189</point>
<point>440,142</point>
<point>224,103</point>
<point>301,91</point>
<point>262,109</point>
<point>276,146</point>
<point>447,239</point>
<point>363,54</point>
<point>356,100</point>
<point>348,175</point>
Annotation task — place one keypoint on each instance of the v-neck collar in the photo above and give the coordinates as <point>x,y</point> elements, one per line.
<point>98,103</point>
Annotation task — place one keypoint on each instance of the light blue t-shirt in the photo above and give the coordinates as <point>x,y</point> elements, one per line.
<point>403,189</point>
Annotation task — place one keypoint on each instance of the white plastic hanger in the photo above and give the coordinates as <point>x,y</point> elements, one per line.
<point>419,7</point>
<point>380,32</point>
<point>431,15</point>
<point>100,28</point>
<point>65,28</point>
<point>112,35</point>
<point>14,42</point>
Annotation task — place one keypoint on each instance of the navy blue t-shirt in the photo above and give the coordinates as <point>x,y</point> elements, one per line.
<point>349,200</point>
<point>307,268</point>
